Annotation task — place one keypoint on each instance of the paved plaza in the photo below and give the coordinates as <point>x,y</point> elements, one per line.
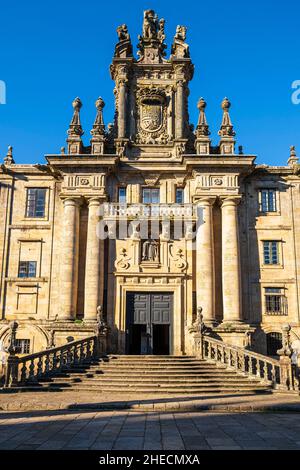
<point>126,430</point>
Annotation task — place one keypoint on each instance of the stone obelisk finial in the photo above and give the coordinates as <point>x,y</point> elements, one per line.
<point>9,159</point>
<point>226,131</point>
<point>293,159</point>
<point>75,130</point>
<point>202,142</point>
<point>98,132</point>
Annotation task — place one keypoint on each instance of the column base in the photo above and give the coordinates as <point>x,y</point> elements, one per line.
<point>211,322</point>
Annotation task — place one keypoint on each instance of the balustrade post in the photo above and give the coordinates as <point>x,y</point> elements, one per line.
<point>11,373</point>
<point>286,374</point>
<point>11,376</point>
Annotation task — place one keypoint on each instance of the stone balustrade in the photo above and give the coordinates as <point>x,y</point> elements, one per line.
<point>116,210</point>
<point>33,367</point>
<point>278,373</point>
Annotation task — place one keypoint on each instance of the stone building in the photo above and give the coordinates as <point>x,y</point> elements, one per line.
<point>150,222</point>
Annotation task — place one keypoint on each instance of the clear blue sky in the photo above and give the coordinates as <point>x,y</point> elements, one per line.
<point>52,52</point>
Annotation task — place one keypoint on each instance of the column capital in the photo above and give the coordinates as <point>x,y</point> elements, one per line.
<point>206,200</point>
<point>93,200</point>
<point>71,200</point>
<point>230,200</point>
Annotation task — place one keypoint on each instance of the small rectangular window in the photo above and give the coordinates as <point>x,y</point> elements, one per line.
<point>179,196</point>
<point>122,195</point>
<point>151,196</point>
<point>271,252</point>
<point>268,200</point>
<point>275,301</point>
<point>35,203</point>
<point>23,346</point>
<point>27,269</point>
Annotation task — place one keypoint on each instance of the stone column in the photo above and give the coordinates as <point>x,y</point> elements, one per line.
<point>231,272</point>
<point>69,260</point>
<point>92,291</point>
<point>122,110</point>
<point>205,277</point>
<point>179,110</point>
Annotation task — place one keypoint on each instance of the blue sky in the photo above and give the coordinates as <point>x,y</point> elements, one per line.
<point>52,52</point>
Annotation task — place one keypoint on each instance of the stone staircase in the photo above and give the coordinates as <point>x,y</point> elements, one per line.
<point>177,375</point>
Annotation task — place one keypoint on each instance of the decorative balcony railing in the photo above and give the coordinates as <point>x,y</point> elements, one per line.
<point>116,210</point>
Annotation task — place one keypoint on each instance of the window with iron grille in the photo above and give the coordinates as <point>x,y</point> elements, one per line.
<point>267,200</point>
<point>35,202</point>
<point>275,301</point>
<point>271,252</point>
<point>179,196</point>
<point>122,195</point>
<point>151,196</point>
<point>23,346</point>
<point>27,269</point>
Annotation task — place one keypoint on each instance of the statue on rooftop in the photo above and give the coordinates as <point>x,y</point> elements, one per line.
<point>150,25</point>
<point>123,47</point>
<point>179,47</point>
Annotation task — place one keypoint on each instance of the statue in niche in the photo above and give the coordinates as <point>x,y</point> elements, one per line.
<point>149,25</point>
<point>150,251</point>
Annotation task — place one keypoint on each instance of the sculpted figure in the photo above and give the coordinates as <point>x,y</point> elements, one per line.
<point>161,30</point>
<point>123,34</point>
<point>180,33</point>
<point>150,251</point>
<point>179,47</point>
<point>149,25</point>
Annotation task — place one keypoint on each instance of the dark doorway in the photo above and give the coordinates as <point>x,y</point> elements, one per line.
<point>274,342</point>
<point>148,322</point>
<point>161,335</point>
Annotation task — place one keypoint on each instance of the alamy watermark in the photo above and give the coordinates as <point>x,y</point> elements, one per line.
<point>296,94</point>
<point>2,92</point>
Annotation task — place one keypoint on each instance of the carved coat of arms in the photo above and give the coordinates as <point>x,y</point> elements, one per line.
<point>151,116</point>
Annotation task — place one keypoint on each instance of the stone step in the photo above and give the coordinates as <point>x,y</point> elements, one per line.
<point>121,381</point>
<point>178,385</point>
<point>161,390</point>
<point>155,376</point>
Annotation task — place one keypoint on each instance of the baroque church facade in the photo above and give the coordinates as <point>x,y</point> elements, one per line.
<point>150,224</point>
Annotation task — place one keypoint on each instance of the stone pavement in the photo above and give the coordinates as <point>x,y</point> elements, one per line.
<point>27,401</point>
<point>127,430</point>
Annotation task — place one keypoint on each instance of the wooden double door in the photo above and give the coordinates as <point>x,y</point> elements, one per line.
<point>149,322</point>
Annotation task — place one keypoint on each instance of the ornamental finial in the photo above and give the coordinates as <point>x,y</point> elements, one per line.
<point>98,127</point>
<point>75,128</point>
<point>202,126</point>
<point>9,159</point>
<point>226,129</point>
<point>293,159</point>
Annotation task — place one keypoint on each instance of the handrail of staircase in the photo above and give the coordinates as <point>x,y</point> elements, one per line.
<point>278,373</point>
<point>32,367</point>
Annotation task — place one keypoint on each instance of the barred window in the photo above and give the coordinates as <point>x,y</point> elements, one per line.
<point>27,269</point>
<point>271,252</point>
<point>23,346</point>
<point>267,200</point>
<point>35,203</point>
<point>276,301</point>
